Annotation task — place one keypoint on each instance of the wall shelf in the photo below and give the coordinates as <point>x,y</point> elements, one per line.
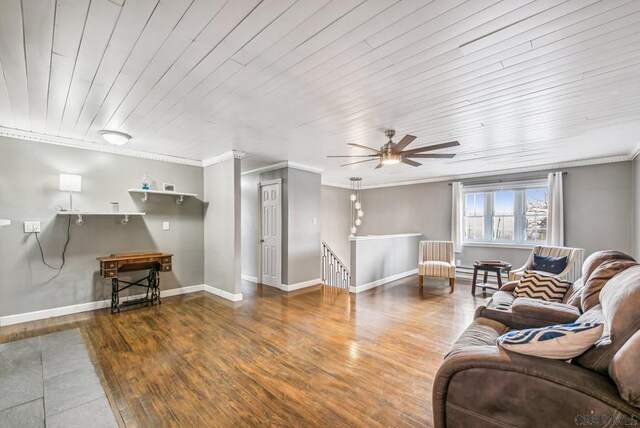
<point>4,222</point>
<point>179,195</point>
<point>80,220</point>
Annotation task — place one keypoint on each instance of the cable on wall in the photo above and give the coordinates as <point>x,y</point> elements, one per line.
<point>64,250</point>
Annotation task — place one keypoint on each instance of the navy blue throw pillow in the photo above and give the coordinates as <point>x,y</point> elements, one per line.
<point>549,264</point>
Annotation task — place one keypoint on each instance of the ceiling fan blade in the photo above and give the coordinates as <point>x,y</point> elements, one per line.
<point>353,163</point>
<point>380,165</point>
<point>410,162</point>
<point>434,147</point>
<point>406,140</point>
<point>430,155</point>
<point>363,147</point>
<point>353,156</point>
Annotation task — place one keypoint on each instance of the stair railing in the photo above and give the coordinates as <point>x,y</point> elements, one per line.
<point>334,272</point>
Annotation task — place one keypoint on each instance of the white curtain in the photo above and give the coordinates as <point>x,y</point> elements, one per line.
<point>456,216</point>
<point>555,222</point>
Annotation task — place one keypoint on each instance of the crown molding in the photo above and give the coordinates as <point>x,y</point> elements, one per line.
<point>635,152</point>
<point>84,145</point>
<point>230,154</point>
<point>284,164</point>
<point>544,167</point>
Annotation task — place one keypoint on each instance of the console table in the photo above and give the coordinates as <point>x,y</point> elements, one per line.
<point>111,266</point>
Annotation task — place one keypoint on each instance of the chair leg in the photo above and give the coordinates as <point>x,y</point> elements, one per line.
<point>452,283</point>
<point>420,280</point>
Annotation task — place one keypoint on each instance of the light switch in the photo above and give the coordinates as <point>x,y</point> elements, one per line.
<point>315,220</point>
<point>165,225</point>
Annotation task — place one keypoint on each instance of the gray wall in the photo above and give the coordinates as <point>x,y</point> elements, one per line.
<point>222,226</point>
<point>29,180</point>
<point>376,259</point>
<point>301,203</point>
<point>335,208</point>
<point>598,211</point>
<point>636,206</point>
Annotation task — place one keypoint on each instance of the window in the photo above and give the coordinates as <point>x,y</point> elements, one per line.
<point>515,213</point>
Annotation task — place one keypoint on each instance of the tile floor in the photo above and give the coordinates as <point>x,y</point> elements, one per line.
<point>50,380</point>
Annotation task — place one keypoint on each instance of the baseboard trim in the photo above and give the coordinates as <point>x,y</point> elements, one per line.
<point>299,285</point>
<point>222,293</point>
<point>374,284</point>
<point>84,307</point>
<point>250,278</point>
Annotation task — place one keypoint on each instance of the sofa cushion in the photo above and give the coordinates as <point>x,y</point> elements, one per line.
<point>592,262</point>
<point>554,265</point>
<point>624,369</point>
<point>554,312</point>
<point>536,286</point>
<point>620,309</point>
<point>558,342</point>
<point>481,332</point>
<point>598,278</point>
<point>573,296</point>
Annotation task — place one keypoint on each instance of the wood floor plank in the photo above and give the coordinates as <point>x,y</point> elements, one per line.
<point>315,357</point>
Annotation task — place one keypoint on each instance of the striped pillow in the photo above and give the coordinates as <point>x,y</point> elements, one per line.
<point>561,342</point>
<point>538,286</point>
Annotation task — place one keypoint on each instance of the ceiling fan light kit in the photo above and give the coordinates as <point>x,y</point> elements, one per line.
<point>392,153</point>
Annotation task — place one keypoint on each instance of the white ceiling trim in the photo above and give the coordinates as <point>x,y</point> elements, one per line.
<point>84,145</point>
<point>284,164</point>
<point>230,154</point>
<point>544,167</point>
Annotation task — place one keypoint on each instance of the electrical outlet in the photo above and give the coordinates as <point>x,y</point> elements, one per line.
<point>31,226</point>
<point>165,225</point>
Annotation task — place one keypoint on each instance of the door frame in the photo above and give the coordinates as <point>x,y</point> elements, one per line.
<point>261,184</point>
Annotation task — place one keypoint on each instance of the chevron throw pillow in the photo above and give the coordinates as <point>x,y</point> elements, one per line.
<point>538,286</point>
<point>561,342</point>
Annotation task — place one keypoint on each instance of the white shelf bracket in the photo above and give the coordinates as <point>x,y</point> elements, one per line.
<point>145,198</point>
<point>180,199</point>
<point>125,220</point>
<point>79,220</point>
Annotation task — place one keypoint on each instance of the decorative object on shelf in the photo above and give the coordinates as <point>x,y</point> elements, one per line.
<point>70,183</point>
<point>356,205</point>
<point>115,207</point>
<point>179,195</point>
<point>168,187</point>
<point>81,214</point>
<point>145,182</point>
<point>115,137</point>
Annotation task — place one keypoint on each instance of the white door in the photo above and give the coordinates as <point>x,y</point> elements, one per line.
<point>270,238</point>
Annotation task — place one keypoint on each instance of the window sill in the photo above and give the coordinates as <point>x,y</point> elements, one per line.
<point>499,245</point>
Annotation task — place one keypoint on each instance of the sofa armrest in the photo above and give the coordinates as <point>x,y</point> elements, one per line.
<point>554,313</point>
<point>481,384</point>
<point>509,286</point>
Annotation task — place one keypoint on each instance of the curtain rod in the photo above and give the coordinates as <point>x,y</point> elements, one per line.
<point>503,180</point>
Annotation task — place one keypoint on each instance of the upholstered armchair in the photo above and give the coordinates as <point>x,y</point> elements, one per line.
<point>575,257</point>
<point>437,259</point>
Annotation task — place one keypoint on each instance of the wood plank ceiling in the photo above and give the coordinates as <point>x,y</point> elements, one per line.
<point>517,82</point>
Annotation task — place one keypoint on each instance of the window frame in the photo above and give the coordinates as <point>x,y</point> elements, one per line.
<point>519,213</point>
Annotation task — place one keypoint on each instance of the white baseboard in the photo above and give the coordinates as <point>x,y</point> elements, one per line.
<point>379,282</point>
<point>84,307</point>
<point>299,285</point>
<point>222,293</point>
<point>250,278</point>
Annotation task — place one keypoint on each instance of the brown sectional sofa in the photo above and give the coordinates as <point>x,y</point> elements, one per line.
<point>482,385</point>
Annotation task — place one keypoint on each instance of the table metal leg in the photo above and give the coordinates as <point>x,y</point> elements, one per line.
<point>115,296</point>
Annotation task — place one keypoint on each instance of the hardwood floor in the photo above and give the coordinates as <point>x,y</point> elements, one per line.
<point>316,357</point>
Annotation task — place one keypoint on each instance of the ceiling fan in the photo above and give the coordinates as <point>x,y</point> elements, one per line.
<point>392,153</point>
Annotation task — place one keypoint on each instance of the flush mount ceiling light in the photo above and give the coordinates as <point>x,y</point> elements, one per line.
<point>114,137</point>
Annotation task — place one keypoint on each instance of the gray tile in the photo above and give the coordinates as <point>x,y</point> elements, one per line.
<point>20,375</point>
<point>96,414</point>
<point>56,360</point>
<point>71,389</point>
<point>21,350</point>
<point>61,339</point>
<point>27,415</point>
